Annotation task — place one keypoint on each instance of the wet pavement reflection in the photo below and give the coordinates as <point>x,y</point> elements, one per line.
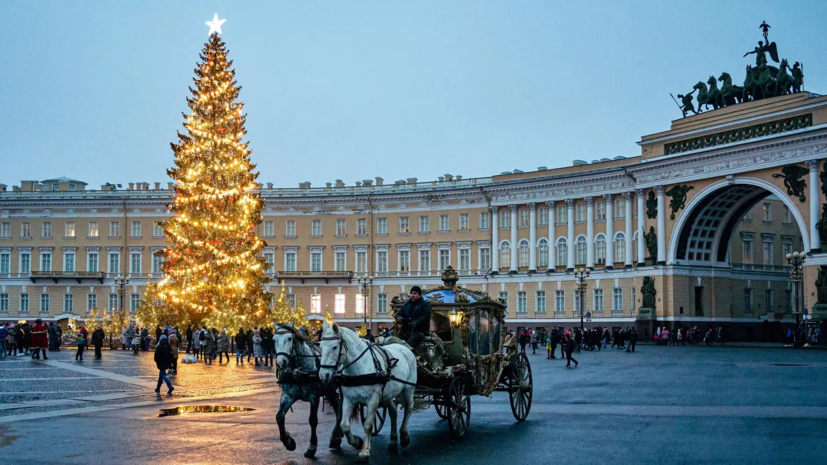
<point>190,409</point>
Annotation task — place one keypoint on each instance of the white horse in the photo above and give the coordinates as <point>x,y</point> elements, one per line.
<point>350,360</point>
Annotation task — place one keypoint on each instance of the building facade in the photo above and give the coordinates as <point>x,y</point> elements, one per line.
<point>709,209</point>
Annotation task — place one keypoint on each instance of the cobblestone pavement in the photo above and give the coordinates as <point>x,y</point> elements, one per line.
<point>660,404</point>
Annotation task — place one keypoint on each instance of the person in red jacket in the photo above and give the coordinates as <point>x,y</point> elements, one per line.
<point>40,340</point>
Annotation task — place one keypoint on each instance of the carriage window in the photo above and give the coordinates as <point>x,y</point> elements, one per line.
<point>441,325</point>
<point>485,334</point>
<point>472,333</point>
<point>496,334</point>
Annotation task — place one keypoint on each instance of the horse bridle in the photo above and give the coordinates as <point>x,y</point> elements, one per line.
<point>293,354</point>
<point>342,345</point>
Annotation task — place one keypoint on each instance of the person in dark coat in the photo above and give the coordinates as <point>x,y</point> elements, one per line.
<point>189,338</point>
<point>145,338</point>
<point>249,339</point>
<point>40,340</point>
<point>163,360</point>
<point>523,340</point>
<point>27,337</point>
<point>240,345</point>
<point>570,346</point>
<point>50,329</point>
<point>415,318</point>
<point>97,340</point>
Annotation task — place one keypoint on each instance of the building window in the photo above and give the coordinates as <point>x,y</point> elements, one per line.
<point>55,187</point>
<point>5,230</point>
<point>562,252</point>
<point>600,211</point>
<point>620,209</point>
<point>580,213</point>
<point>767,211</point>
<point>361,227</point>
<point>69,261</point>
<point>45,300</point>
<point>620,247</point>
<point>748,300</point>
<point>134,302</point>
<point>505,254</point>
<point>382,226</point>
<point>269,229</point>
<point>577,302</point>
<point>25,230</point>
<point>788,301</point>
<point>485,220</point>
<point>47,230</point>
<point>360,304</point>
<point>424,260</point>
<point>747,249</point>
<point>788,215</point>
<point>4,303</point>
<point>598,301</point>
<point>114,229</point>
<point>158,260</point>
<point>341,228</point>
<point>485,259</point>
<point>521,302</point>
<point>315,303</point>
<point>542,216</point>
<point>382,261</point>
<point>24,303</point>
<point>523,215</point>
<point>291,300</point>
<point>617,299</point>
<point>45,261</point>
<point>559,302</point>
<point>562,214</point>
<point>523,252</point>
<point>404,260</point>
<point>581,251</point>
<point>25,262</point>
<point>424,225</point>
<point>73,187</point>
<point>540,302</point>
<point>463,222</point>
<point>444,259</point>
<point>316,228</point>
<point>135,262</point>
<point>290,261</point>
<point>70,229</point>
<point>600,249</point>
<point>786,246</point>
<point>315,261</point>
<point>465,259</point>
<point>504,297</point>
<point>5,263</point>
<point>382,304</point>
<point>91,302</point>
<point>404,225</point>
<point>290,228</point>
<point>767,251</point>
<point>339,303</point>
<point>269,257</point>
<point>505,219</point>
<point>443,223</point>
<point>136,229</point>
<point>157,229</point>
<point>768,300</point>
<point>68,303</point>
<point>340,262</point>
<point>632,300</point>
<point>361,261</point>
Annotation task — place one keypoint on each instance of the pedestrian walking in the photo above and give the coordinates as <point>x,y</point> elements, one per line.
<point>124,338</point>
<point>223,346</point>
<point>570,346</point>
<point>633,339</point>
<point>163,360</point>
<point>523,340</point>
<point>130,336</point>
<point>189,338</point>
<point>40,340</point>
<point>249,344</point>
<point>208,347</point>
<point>256,346</point>
<point>81,342</point>
<point>4,334</point>
<point>240,345</point>
<point>173,345</point>
<point>136,341</point>
<point>97,340</point>
<point>12,340</point>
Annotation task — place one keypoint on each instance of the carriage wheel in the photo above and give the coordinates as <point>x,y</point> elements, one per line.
<point>378,419</point>
<point>520,387</point>
<point>458,407</point>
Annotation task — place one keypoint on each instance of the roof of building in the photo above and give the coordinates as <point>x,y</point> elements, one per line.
<point>63,179</point>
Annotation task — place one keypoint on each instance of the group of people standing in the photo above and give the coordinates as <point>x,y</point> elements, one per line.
<point>255,343</point>
<point>680,336</point>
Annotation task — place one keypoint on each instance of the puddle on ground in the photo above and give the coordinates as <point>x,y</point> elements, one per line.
<point>789,364</point>
<point>191,409</point>
<point>6,439</point>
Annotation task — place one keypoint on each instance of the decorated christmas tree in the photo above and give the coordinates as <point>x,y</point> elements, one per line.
<point>214,274</point>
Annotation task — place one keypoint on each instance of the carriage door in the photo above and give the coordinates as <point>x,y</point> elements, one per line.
<point>485,334</point>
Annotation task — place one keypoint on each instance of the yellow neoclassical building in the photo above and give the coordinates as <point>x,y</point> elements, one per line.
<point>708,211</point>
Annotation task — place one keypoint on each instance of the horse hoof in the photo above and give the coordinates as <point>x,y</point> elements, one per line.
<point>335,443</point>
<point>364,457</point>
<point>310,453</point>
<point>290,444</point>
<point>359,443</point>
<point>404,439</point>
<point>393,448</point>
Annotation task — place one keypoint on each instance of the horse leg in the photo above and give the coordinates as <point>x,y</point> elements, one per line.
<point>348,412</point>
<point>393,446</point>
<point>370,416</point>
<point>337,435</point>
<point>314,420</point>
<point>287,400</point>
<point>408,405</point>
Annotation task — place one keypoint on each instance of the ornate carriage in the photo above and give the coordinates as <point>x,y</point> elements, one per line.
<point>467,354</point>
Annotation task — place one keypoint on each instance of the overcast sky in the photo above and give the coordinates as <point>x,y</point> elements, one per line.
<point>95,90</point>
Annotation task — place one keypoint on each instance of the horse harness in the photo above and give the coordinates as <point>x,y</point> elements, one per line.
<point>379,377</point>
<point>294,375</point>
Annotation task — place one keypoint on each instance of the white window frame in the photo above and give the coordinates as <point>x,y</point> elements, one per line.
<point>315,303</point>
<point>290,229</point>
<point>540,302</point>
<point>316,228</point>
<point>339,303</point>
<point>464,222</point>
<point>269,228</point>
<point>69,229</point>
<point>136,230</point>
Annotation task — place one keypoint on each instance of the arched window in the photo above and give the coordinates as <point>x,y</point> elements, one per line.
<point>562,252</point>
<point>600,249</point>
<point>620,247</point>
<point>505,254</point>
<point>542,253</point>
<point>523,254</point>
<point>581,251</point>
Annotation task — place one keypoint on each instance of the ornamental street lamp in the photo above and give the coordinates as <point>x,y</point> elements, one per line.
<point>121,282</point>
<point>581,274</point>
<point>366,283</point>
<point>796,260</point>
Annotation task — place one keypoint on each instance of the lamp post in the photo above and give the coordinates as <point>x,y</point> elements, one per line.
<point>581,274</point>
<point>366,283</point>
<point>121,282</point>
<point>796,260</point>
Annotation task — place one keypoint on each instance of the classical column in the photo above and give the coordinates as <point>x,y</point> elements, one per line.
<point>513,239</point>
<point>532,238</point>
<point>610,232</point>
<point>661,225</point>
<point>641,227</point>
<point>815,200</point>
<point>627,260</point>
<point>552,240</point>
<point>590,233</point>
<point>570,238</point>
<point>495,239</point>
